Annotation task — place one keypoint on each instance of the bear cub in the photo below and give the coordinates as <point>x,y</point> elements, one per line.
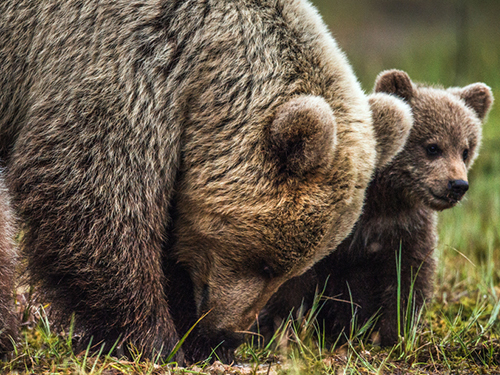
<point>398,226</point>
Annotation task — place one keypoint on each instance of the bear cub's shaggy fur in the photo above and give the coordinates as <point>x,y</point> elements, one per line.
<point>398,224</point>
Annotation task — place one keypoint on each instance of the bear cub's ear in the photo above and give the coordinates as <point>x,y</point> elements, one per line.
<point>392,121</point>
<point>478,96</point>
<point>303,134</point>
<point>394,82</point>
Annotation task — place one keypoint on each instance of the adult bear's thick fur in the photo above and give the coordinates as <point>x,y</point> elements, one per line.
<point>171,158</point>
<point>8,260</point>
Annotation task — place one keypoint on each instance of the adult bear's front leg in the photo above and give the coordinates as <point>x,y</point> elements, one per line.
<point>92,190</point>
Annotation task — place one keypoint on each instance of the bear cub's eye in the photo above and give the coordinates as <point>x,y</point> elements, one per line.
<point>433,150</point>
<point>465,155</point>
<point>268,271</point>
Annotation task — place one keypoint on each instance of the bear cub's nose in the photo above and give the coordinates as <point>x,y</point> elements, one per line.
<point>458,188</point>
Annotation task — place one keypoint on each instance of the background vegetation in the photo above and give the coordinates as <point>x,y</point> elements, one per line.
<point>446,42</point>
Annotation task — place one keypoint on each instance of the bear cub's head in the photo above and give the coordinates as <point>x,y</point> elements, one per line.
<point>444,140</point>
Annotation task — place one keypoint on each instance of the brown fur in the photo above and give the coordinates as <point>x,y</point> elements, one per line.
<point>8,257</point>
<point>399,215</point>
<point>149,162</point>
<point>392,122</point>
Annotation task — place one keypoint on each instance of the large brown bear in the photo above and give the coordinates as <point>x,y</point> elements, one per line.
<point>397,229</point>
<point>8,257</point>
<point>173,158</point>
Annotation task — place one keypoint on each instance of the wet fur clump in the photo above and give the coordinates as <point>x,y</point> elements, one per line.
<point>398,225</point>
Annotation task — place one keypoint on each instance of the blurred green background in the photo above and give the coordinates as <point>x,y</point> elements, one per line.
<point>452,42</point>
<point>448,43</point>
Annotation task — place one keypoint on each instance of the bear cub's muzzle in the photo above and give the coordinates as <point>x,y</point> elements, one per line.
<point>457,189</point>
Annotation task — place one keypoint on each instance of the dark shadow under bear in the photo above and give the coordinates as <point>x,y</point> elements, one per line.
<point>397,229</point>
